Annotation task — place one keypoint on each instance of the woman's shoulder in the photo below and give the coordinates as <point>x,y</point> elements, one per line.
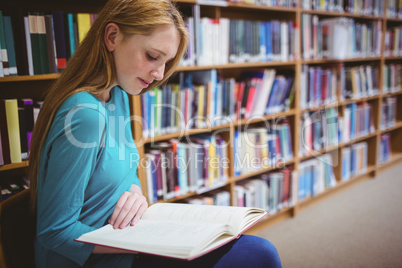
<point>83,100</point>
<point>83,108</point>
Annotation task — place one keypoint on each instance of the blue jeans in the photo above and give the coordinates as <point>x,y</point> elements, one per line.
<point>247,251</point>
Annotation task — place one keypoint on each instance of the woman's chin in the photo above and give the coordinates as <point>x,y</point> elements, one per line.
<point>133,90</point>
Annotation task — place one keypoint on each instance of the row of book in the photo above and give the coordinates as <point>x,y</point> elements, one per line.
<point>393,42</point>
<point>200,99</point>
<point>174,168</point>
<point>269,3</point>
<point>262,147</point>
<point>392,81</point>
<point>327,5</point>
<point>384,150</point>
<point>394,9</point>
<point>271,191</point>
<point>220,41</point>
<point>388,112</point>
<point>359,82</point>
<point>354,160</point>
<point>339,38</point>
<point>365,7</point>
<point>11,186</point>
<point>319,130</point>
<point>357,121</point>
<point>17,118</point>
<point>315,176</point>
<point>38,43</point>
<point>325,128</point>
<point>318,86</point>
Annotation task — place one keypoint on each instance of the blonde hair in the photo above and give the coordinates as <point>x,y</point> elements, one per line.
<point>92,67</point>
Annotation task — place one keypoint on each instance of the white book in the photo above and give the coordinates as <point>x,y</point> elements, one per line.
<point>28,43</point>
<point>149,177</point>
<point>263,93</point>
<point>224,44</point>
<point>182,231</point>
<point>284,41</point>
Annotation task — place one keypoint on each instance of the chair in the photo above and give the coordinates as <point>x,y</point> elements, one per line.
<point>17,232</point>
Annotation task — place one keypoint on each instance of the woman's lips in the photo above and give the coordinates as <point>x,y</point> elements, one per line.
<point>144,82</point>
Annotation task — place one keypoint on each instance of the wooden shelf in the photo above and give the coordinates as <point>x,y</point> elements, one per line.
<point>369,98</point>
<point>193,2</point>
<point>261,171</point>
<point>265,118</point>
<point>393,19</point>
<point>326,61</point>
<point>388,94</point>
<point>314,153</point>
<point>262,7</point>
<point>19,78</point>
<point>322,107</point>
<point>340,14</point>
<point>359,139</point>
<point>176,135</point>
<point>228,125</point>
<point>14,166</point>
<point>388,129</point>
<point>395,157</point>
<point>393,57</point>
<point>237,65</point>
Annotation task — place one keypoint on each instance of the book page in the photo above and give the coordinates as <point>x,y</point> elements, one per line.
<point>169,238</point>
<point>236,217</point>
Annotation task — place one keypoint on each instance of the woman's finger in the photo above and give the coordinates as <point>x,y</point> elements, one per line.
<point>131,213</point>
<point>119,206</point>
<point>140,212</point>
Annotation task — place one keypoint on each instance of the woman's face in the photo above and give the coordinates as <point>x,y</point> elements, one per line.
<point>141,59</point>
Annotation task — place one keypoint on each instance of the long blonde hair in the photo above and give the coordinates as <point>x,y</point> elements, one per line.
<point>92,67</point>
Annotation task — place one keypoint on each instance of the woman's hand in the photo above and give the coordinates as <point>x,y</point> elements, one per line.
<point>129,208</point>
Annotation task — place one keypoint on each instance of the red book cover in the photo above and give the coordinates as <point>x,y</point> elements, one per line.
<point>286,175</point>
<point>239,98</point>
<point>250,98</point>
<point>324,86</point>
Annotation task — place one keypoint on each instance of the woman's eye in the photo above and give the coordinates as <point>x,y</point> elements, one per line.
<point>150,57</point>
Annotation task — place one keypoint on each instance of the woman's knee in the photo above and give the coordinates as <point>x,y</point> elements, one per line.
<point>260,251</point>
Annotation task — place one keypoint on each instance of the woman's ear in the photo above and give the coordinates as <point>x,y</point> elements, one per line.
<point>111,31</point>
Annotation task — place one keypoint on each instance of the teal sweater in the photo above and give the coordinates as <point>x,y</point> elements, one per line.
<point>87,161</point>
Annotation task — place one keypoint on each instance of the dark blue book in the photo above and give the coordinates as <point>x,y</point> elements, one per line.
<point>268,40</point>
<point>60,39</point>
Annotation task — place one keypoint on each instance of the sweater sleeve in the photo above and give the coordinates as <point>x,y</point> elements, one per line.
<point>68,159</point>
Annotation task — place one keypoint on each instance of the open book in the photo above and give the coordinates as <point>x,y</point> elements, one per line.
<point>182,231</point>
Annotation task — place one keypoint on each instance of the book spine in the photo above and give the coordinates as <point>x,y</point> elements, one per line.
<point>43,48</point>
<point>3,49</point>
<point>5,143</point>
<point>8,30</point>
<point>13,129</point>
<point>59,36</point>
<point>51,46</point>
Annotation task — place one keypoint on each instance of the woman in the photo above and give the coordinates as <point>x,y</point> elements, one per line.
<point>83,159</point>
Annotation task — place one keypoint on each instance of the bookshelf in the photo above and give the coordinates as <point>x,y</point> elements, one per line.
<point>34,86</point>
